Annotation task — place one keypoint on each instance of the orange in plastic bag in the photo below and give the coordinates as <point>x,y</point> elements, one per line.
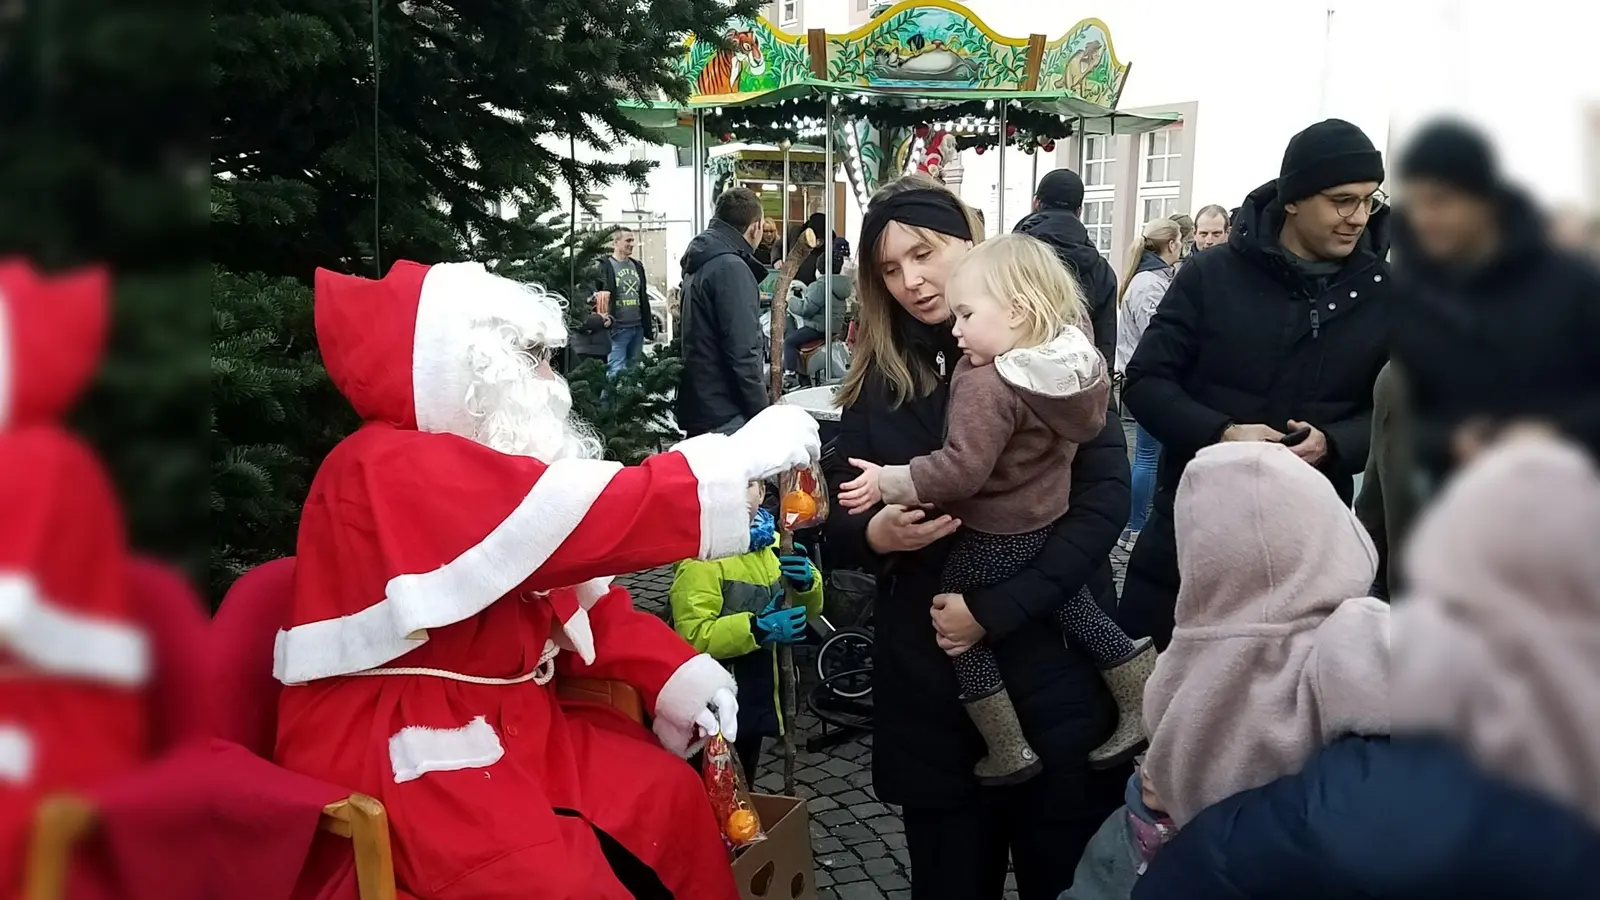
<point>805,502</point>
<point>730,800</point>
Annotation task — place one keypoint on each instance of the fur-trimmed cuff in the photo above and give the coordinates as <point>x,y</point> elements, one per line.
<point>897,487</point>
<point>685,695</point>
<point>722,488</point>
<point>60,641</point>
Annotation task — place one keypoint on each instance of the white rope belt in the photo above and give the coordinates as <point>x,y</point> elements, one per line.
<point>541,674</point>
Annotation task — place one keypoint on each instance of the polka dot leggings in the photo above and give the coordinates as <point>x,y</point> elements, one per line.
<point>981,559</point>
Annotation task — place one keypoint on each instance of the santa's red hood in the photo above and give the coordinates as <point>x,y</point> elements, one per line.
<point>400,348</point>
<point>52,331</point>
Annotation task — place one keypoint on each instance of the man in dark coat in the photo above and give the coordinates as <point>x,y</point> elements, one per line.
<point>1056,220</point>
<point>1494,325</point>
<point>724,382</point>
<point>1282,329</point>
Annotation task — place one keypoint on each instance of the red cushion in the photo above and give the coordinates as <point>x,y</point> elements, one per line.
<point>245,695</point>
<point>175,623</point>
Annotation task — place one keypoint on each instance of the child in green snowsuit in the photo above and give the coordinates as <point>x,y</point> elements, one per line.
<point>728,608</point>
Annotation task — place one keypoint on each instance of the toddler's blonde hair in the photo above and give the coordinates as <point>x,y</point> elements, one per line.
<point>1024,272</point>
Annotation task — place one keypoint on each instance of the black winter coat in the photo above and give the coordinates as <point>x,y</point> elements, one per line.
<point>1064,232</point>
<point>1517,338</point>
<point>1371,819</point>
<point>1243,337</point>
<point>724,373</point>
<point>924,746</point>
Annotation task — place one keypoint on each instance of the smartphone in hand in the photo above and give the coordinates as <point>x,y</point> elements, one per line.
<point>1297,436</point>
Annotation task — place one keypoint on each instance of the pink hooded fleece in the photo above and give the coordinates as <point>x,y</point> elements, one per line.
<point>1498,644</point>
<point>1276,649</point>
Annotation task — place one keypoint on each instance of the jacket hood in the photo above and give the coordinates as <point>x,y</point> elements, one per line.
<point>1150,262</point>
<point>1062,229</point>
<point>719,240</point>
<point>1263,539</point>
<point>1058,380</point>
<point>838,285</point>
<point>1259,219</point>
<point>1497,646</point>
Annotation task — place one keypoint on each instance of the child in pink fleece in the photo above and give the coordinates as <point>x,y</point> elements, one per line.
<point>1277,649</point>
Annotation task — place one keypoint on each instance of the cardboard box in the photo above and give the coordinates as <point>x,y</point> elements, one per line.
<point>778,868</point>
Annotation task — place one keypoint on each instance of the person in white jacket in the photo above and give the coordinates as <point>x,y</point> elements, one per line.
<point>1145,278</point>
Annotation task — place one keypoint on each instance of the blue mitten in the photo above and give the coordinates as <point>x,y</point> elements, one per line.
<point>783,626</point>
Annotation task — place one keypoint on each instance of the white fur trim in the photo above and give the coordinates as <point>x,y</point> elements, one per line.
<point>7,354</point>
<point>454,297</point>
<point>62,642</point>
<point>686,694</point>
<point>722,488</point>
<point>16,755</point>
<point>1066,366</point>
<point>414,751</point>
<point>590,592</point>
<point>458,590</point>
<point>580,633</point>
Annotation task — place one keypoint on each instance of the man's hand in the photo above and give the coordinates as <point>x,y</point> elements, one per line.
<point>958,631</point>
<point>1314,449</point>
<point>865,491</point>
<point>1251,433</point>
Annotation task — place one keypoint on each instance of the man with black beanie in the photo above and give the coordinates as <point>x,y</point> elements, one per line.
<point>1056,220</point>
<point>1277,335</point>
<point>1495,326</point>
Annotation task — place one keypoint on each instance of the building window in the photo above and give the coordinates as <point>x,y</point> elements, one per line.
<point>1157,208</point>
<point>1161,155</point>
<point>788,12</point>
<point>863,5</point>
<point>1097,159</point>
<point>1097,220</point>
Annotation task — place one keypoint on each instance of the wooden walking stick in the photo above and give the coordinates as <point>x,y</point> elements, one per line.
<point>786,672</point>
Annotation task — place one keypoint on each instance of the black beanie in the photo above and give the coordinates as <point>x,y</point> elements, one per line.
<point>1060,189</point>
<point>1454,153</point>
<point>1329,153</point>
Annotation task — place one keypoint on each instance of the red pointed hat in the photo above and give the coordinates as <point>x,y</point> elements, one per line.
<point>400,348</point>
<point>65,611</point>
<point>52,333</point>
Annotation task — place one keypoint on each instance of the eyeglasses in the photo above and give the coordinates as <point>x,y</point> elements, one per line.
<point>1346,205</point>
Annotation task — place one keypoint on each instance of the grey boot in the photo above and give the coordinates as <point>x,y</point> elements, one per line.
<point>1010,760</point>
<point>1126,680</point>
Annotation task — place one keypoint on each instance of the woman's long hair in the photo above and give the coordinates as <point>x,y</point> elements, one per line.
<point>1158,233</point>
<point>880,346</point>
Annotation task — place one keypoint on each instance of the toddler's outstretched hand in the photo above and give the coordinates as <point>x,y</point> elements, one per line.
<point>864,492</point>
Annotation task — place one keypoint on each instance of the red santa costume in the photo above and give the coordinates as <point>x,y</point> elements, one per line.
<point>454,555</point>
<point>72,657</point>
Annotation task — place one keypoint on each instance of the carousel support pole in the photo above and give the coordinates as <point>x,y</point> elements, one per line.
<point>697,149</point>
<point>1083,144</point>
<point>828,213</point>
<point>1000,225</point>
<point>783,235</point>
<point>1033,184</point>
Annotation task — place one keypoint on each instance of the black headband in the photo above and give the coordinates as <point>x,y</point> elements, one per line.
<point>928,208</point>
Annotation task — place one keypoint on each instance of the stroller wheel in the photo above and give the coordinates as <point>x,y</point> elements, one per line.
<point>846,650</point>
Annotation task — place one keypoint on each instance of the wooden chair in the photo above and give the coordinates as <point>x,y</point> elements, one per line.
<point>64,820</point>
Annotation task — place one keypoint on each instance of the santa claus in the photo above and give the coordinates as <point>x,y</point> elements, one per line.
<point>73,658</point>
<point>455,555</point>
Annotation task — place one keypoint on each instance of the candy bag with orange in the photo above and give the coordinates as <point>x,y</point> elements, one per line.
<point>730,800</point>
<point>805,499</point>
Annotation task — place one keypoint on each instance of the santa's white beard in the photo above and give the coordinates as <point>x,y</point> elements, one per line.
<point>520,411</point>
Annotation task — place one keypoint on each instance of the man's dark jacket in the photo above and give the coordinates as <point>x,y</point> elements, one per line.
<point>606,280</point>
<point>1064,232</point>
<point>1516,338</point>
<point>1244,336</point>
<point>724,376</point>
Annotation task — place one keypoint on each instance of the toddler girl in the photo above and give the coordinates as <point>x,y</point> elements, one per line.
<point>1029,389</point>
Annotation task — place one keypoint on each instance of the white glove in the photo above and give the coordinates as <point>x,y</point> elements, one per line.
<point>720,715</point>
<point>779,438</point>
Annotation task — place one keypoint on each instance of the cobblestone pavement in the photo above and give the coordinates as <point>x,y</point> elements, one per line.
<point>859,843</point>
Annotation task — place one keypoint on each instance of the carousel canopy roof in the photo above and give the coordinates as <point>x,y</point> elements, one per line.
<point>932,56</point>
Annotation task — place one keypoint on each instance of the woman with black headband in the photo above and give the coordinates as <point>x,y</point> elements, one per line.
<point>960,835</point>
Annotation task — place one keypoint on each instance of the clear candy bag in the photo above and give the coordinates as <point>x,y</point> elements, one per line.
<point>730,800</point>
<point>805,499</point>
